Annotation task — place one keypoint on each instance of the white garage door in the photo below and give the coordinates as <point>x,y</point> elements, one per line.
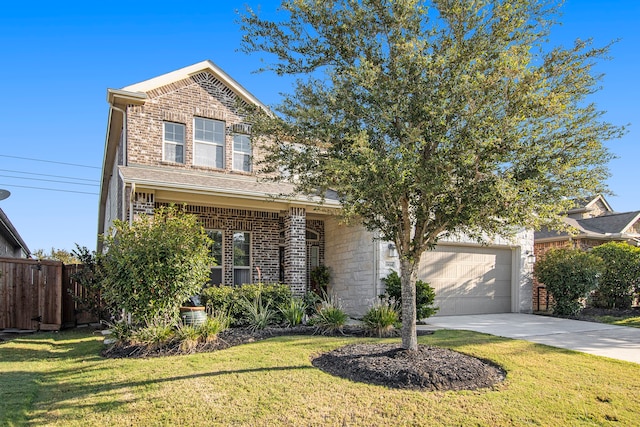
<point>468,280</point>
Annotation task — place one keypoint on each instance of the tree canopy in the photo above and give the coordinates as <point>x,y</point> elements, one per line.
<point>432,117</point>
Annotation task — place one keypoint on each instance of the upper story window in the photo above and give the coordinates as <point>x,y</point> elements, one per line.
<point>173,142</point>
<point>208,142</point>
<point>241,153</point>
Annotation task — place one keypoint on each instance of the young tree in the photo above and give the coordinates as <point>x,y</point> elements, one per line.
<point>154,264</point>
<point>431,118</point>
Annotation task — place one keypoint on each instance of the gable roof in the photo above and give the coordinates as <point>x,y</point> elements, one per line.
<point>583,205</point>
<point>11,234</point>
<point>608,226</point>
<point>139,90</point>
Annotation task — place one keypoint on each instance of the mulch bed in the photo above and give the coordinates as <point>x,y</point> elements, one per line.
<point>428,368</point>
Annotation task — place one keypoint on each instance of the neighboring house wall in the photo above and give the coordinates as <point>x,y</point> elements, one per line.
<point>11,244</point>
<point>7,250</point>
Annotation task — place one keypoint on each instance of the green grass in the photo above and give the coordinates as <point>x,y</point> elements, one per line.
<point>622,321</point>
<point>60,379</point>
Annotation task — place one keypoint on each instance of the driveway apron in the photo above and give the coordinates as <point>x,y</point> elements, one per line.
<point>616,342</point>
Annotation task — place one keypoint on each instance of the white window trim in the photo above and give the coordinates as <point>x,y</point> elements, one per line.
<point>242,153</point>
<point>164,141</point>
<point>215,144</point>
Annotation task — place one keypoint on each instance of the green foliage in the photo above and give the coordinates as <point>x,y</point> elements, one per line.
<point>330,317</point>
<point>381,319</point>
<point>432,117</point>
<point>157,334</point>
<point>620,275</point>
<point>569,276</point>
<point>294,311</point>
<point>90,276</point>
<point>153,265</point>
<point>61,255</point>
<point>425,295</point>
<point>311,301</point>
<point>188,336</point>
<point>214,325</point>
<point>228,299</point>
<point>120,330</point>
<point>258,315</point>
<point>320,278</point>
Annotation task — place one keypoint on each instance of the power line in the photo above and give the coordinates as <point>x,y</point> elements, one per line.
<point>49,180</point>
<point>53,176</point>
<point>50,161</point>
<point>48,189</point>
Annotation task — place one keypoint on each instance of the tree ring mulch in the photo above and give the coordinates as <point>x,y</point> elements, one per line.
<point>428,368</point>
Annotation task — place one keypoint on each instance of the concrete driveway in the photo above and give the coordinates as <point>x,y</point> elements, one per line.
<point>617,342</point>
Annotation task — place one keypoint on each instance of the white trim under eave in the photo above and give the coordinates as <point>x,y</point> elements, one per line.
<point>245,195</point>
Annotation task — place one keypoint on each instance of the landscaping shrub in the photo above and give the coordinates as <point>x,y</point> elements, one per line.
<point>381,319</point>
<point>329,317</point>
<point>156,334</point>
<point>214,324</point>
<point>293,312</point>
<point>425,295</point>
<point>569,276</point>
<point>620,275</point>
<point>227,299</point>
<point>188,336</point>
<point>258,314</point>
<point>154,264</point>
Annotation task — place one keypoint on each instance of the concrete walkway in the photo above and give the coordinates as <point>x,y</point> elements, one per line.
<point>617,342</point>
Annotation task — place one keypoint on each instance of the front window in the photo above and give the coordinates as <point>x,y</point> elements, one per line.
<point>241,258</point>
<point>208,143</point>
<point>173,142</point>
<point>215,276</point>
<point>242,153</point>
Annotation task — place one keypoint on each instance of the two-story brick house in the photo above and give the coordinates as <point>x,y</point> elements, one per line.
<point>181,138</point>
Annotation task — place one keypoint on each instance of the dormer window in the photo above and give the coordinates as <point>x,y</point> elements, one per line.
<point>173,142</point>
<point>208,142</point>
<point>241,153</point>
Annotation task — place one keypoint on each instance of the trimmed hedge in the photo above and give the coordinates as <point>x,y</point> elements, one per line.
<point>425,295</point>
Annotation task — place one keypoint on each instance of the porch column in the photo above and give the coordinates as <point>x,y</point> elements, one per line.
<point>295,250</point>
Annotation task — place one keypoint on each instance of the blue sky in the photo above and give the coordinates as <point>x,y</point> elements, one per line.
<point>59,58</point>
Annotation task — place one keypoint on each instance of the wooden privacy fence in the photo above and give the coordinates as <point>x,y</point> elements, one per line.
<point>35,295</point>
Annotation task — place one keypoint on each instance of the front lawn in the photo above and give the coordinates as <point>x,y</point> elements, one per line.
<point>60,379</point>
<point>633,321</point>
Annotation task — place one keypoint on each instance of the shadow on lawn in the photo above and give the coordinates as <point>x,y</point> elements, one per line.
<point>35,395</point>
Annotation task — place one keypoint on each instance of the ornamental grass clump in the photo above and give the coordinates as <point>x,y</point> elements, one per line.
<point>381,319</point>
<point>293,312</point>
<point>188,336</point>
<point>329,318</point>
<point>258,315</point>
<point>154,335</point>
<point>214,324</point>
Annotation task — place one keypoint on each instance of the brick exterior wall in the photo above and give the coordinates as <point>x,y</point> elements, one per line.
<point>201,95</point>
<point>295,250</point>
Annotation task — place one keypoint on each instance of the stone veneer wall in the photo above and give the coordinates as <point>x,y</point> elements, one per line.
<point>352,255</point>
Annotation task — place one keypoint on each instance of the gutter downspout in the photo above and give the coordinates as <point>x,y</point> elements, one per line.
<point>124,133</point>
<point>131,194</point>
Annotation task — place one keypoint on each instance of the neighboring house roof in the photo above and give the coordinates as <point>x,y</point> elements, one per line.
<point>611,226</point>
<point>237,186</point>
<point>11,234</point>
<point>584,205</point>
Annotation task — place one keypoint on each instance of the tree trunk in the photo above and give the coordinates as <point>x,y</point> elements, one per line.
<point>408,281</point>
